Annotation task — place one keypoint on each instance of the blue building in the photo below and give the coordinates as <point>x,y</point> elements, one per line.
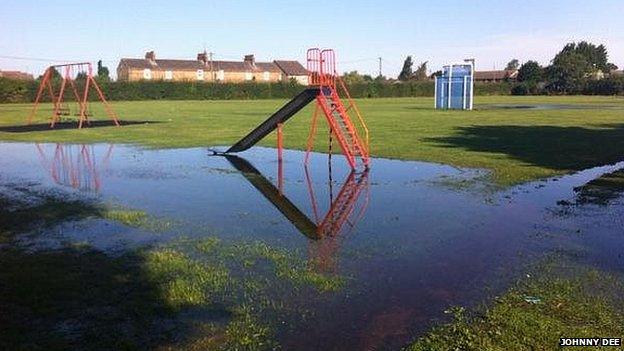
<point>454,88</point>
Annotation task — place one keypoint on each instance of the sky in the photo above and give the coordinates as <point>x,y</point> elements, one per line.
<point>35,34</point>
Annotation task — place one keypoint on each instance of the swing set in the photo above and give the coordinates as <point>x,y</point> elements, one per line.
<point>77,78</point>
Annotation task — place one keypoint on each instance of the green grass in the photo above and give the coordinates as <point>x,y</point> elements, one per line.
<point>534,314</point>
<point>516,144</point>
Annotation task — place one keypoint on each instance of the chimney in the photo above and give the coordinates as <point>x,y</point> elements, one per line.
<point>151,57</point>
<point>250,59</point>
<point>203,58</point>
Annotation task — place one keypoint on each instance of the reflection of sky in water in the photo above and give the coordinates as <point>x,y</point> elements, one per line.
<point>419,246</point>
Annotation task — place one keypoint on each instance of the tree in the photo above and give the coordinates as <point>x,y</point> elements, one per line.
<point>102,71</point>
<point>568,72</point>
<point>381,79</point>
<point>530,72</point>
<point>54,76</point>
<point>406,71</point>
<point>512,65</point>
<point>81,76</point>
<point>575,64</point>
<point>421,72</point>
<point>530,75</point>
<point>596,56</point>
<point>354,77</point>
<point>436,74</point>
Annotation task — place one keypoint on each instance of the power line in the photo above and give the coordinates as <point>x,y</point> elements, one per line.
<point>359,60</point>
<point>34,59</point>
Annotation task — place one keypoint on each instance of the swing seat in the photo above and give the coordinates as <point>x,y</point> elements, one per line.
<point>87,114</point>
<point>63,111</point>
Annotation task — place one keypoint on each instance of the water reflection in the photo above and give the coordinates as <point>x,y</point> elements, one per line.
<point>345,209</point>
<point>75,166</point>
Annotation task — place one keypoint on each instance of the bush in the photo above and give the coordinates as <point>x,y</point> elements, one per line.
<point>520,89</point>
<point>528,88</point>
<point>13,90</point>
<point>502,88</point>
<point>608,86</point>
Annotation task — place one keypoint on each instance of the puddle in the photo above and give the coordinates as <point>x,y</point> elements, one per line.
<point>408,245</point>
<point>547,107</point>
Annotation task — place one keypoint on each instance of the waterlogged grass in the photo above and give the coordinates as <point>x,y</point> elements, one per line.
<point>183,281</point>
<point>247,332</point>
<point>132,218</point>
<point>39,210</point>
<point>232,277</point>
<point>250,278</point>
<point>534,314</point>
<point>46,209</point>
<point>517,145</point>
<point>603,190</point>
<point>133,299</point>
<point>135,218</point>
<point>77,296</point>
<point>286,265</point>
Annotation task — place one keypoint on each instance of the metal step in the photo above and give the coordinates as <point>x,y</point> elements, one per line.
<point>345,130</point>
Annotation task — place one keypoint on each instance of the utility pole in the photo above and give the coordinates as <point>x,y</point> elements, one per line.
<point>379,66</point>
<point>211,66</point>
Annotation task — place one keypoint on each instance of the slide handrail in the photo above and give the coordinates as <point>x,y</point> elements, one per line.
<point>363,124</point>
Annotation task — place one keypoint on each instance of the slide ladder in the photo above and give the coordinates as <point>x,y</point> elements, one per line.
<point>322,72</point>
<point>342,207</point>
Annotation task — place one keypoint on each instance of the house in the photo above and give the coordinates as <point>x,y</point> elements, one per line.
<point>495,76</point>
<point>293,70</point>
<point>16,75</point>
<point>205,69</point>
<point>616,73</point>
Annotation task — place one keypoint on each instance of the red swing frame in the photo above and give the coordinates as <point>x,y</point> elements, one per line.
<point>82,98</point>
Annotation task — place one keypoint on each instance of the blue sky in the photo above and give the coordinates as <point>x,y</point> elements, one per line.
<point>360,31</point>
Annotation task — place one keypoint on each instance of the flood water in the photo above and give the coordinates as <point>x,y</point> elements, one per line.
<point>411,238</point>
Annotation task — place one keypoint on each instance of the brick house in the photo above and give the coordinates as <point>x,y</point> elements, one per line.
<point>204,69</point>
<point>293,70</point>
<point>495,76</point>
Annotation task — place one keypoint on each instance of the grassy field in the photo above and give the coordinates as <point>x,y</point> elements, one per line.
<point>516,144</point>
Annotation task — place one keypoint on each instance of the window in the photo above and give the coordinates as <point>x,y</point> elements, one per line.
<point>266,75</point>
<point>168,75</point>
<point>220,74</point>
<point>200,74</point>
<point>147,73</point>
<point>248,76</point>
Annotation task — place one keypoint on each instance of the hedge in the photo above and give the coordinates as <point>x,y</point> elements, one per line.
<point>606,86</point>
<point>23,91</point>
